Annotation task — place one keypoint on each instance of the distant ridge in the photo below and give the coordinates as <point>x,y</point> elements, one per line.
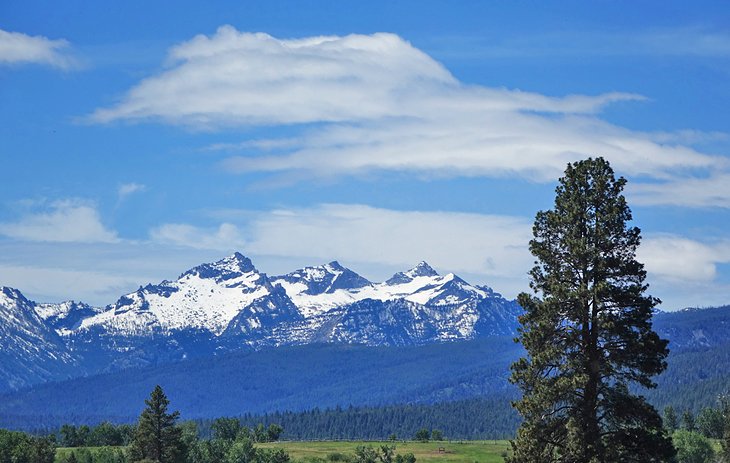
<point>229,305</point>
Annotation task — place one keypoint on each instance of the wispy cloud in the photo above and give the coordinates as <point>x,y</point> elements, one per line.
<point>374,103</point>
<point>68,220</point>
<point>127,189</point>
<point>685,41</point>
<point>683,272</point>
<point>57,284</point>
<point>19,48</point>
<point>712,190</point>
<point>226,237</point>
<point>681,42</point>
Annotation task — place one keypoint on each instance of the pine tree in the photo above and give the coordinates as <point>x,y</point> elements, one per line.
<point>688,421</point>
<point>587,332</point>
<point>670,419</point>
<point>157,438</point>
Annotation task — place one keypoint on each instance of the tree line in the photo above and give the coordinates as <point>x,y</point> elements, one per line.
<point>483,418</point>
<point>692,434</point>
<point>159,438</point>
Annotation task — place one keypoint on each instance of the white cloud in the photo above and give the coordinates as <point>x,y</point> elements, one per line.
<point>59,284</point>
<point>710,191</point>
<point>18,48</point>
<point>685,42</point>
<point>462,144</point>
<point>475,243</point>
<point>682,260</point>
<point>226,237</point>
<point>96,273</point>
<point>127,189</point>
<point>64,221</point>
<point>376,103</point>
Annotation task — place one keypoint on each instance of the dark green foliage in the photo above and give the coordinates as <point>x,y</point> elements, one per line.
<point>437,435</point>
<point>226,428</point>
<point>587,331</point>
<point>259,433</point>
<point>670,419</point>
<point>273,432</point>
<point>102,435</point>
<point>422,435</point>
<point>70,437</point>
<point>365,454</point>
<point>157,438</point>
<point>83,433</point>
<point>241,451</point>
<point>18,447</point>
<point>710,423</point>
<point>106,434</point>
<point>491,418</point>
<point>692,447</point>
<point>386,454</point>
<point>725,442</point>
<point>688,421</point>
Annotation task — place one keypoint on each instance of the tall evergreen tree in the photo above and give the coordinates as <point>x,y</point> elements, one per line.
<point>587,332</point>
<point>688,421</point>
<point>670,419</point>
<point>157,438</point>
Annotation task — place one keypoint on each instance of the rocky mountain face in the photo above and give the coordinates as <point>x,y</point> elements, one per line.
<point>30,350</point>
<point>230,306</point>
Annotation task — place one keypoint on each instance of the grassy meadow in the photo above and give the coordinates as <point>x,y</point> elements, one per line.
<point>453,452</point>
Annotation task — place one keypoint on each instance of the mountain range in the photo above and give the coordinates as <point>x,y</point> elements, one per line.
<point>226,339</point>
<point>230,306</point>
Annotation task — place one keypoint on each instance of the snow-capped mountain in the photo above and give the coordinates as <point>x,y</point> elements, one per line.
<point>208,298</point>
<point>30,351</point>
<point>66,316</point>
<point>420,270</point>
<point>315,290</point>
<point>229,305</point>
<point>414,307</point>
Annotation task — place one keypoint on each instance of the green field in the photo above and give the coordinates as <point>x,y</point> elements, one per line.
<point>62,453</point>
<point>456,452</point>
<point>453,452</point>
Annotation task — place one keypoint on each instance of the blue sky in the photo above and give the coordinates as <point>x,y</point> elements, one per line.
<point>141,138</point>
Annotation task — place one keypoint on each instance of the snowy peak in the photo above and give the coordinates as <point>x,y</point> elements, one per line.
<point>448,290</point>
<point>420,270</point>
<point>321,279</point>
<point>229,268</point>
<point>67,315</point>
<point>31,352</point>
<point>15,307</point>
<point>207,297</point>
